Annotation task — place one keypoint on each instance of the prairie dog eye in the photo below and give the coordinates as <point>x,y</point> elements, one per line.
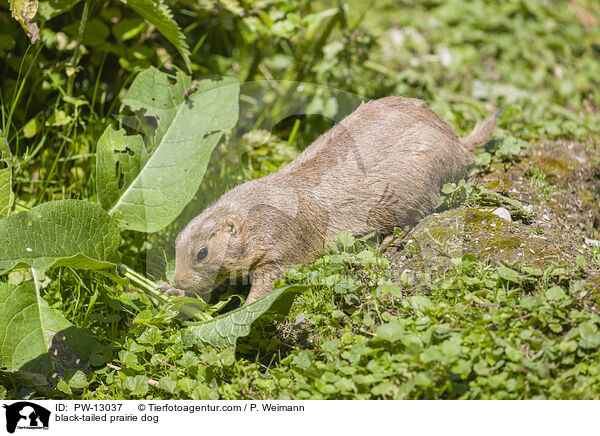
<point>202,254</point>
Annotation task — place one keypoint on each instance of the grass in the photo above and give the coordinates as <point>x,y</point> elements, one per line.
<point>479,331</point>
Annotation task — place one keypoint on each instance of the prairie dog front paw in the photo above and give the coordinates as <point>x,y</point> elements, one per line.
<point>170,290</point>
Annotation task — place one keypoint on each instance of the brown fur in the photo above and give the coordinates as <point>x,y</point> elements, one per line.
<point>381,167</point>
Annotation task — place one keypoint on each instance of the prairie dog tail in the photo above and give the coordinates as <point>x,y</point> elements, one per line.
<point>482,131</point>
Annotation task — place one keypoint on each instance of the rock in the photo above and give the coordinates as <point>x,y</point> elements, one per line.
<point>560,204</point>
<point>503,213</point>
<point>300,319</point>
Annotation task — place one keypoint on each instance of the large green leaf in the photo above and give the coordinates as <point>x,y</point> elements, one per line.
<point>59,233</point>
<point>147,191</point>
<point>157,13</point>
<point>33,336</point>
<point>6,194</point>
<point>51,8</point>
<point>223,331</point>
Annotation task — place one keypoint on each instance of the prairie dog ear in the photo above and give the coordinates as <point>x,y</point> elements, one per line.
<point>232,224</point>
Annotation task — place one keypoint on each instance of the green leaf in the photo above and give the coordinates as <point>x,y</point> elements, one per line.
<point>168,383</point>
<point>128,28</point>
<point>223,331</point>
<point>567,346</point>
<point>59,118</point>
<point>448,188</point>
<point>512,146</point>
<point>431,354</point>
<point>513,354</point>
<point>150,336</point>
<point>158,13</point>
<point>137,385</point>
<point>331,346</point>
<point>51,8</point>
<point>346,239</point>
<point>388,289</point>
<point>147,191</point>
<point>303,359</point>
<point>508,148</point>
<point>382,388</point>
<point>4,149</point>
<point>345,385</point>
<point>76,378</point>
<point>590,338</point>
<point>420,302</point>
<point>423,379</point>
<point>483,159</point>
<point>59,233</point>
<point>555,327</point>
<point>391,332</point>
<point>24,12</point>
<point>32,128</point>
<point>227,357</point>
<point>530,302</point>
<point>532,271</point>
<point>451,348</point>
<point>94,35</point>
<point>508,274</point>
<point>64,387</point>
<point>188,360</point>
<point>555,293</point>
<point>32,335</point>
<point>462,367</point>
<point>203,392</point>
<point>130,360</point>
<point>6,195</point>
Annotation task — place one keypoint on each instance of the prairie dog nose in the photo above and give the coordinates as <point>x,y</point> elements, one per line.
<point>181,282</point>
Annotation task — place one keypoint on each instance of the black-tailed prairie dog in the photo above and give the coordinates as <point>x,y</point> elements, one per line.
<point>381,167</point>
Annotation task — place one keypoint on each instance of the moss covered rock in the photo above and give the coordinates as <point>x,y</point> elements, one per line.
<point>559,185</point>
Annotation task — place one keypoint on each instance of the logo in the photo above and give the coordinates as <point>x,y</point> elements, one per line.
<point>26,415</point>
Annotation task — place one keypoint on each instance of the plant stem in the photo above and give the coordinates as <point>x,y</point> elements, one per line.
<point>150,289</point>
<point>75,58</point>
<point>146,285</point>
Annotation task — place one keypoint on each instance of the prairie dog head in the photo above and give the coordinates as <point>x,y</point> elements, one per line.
<point>212,248</point>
